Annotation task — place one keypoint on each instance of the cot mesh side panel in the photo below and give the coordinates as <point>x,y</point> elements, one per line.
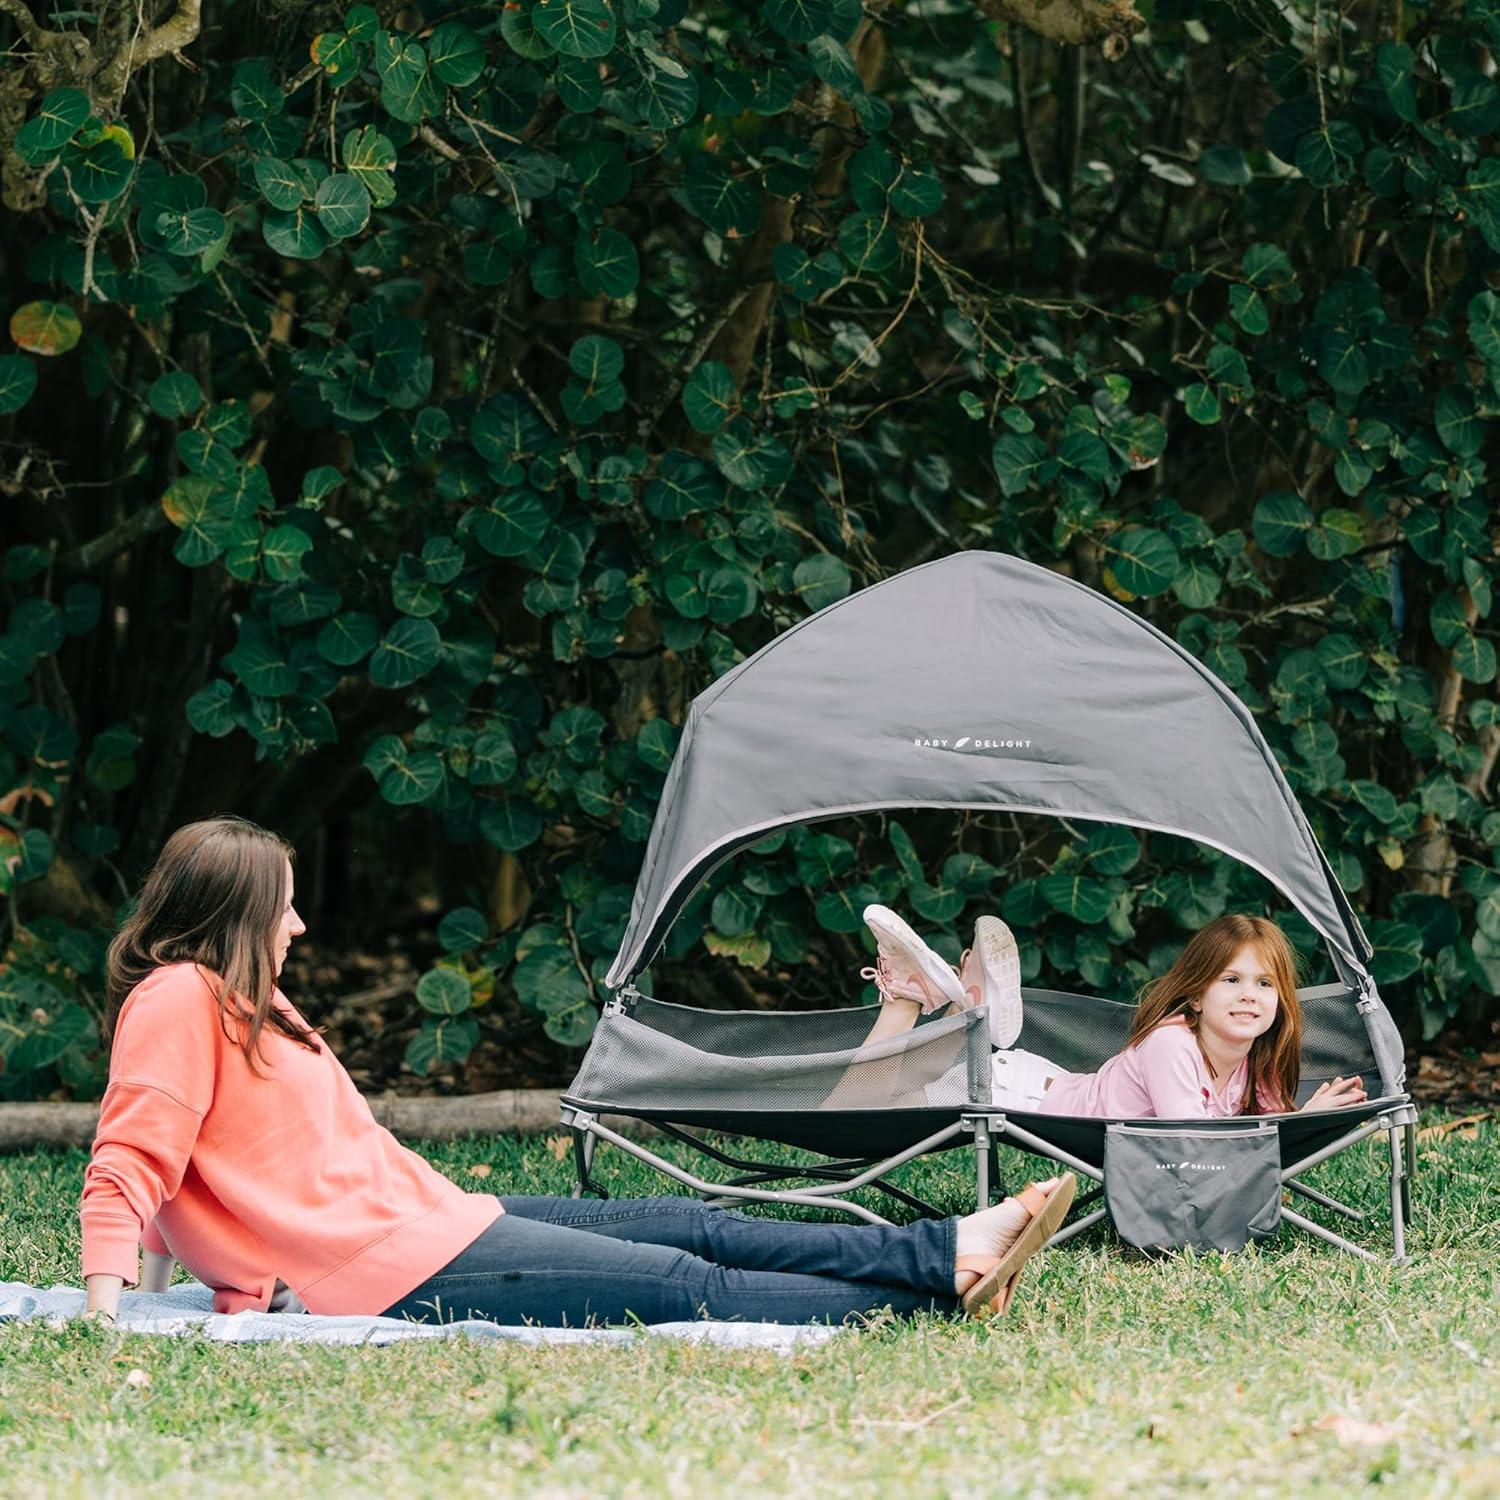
<point>675,1060</point>
<point>1335,1040</point>
<point>757,1033</point>
<point>667,1057</point>
<point>1080,1033</point>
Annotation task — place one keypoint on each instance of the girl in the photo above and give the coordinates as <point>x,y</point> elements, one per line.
<point>230,1138</point>
<point>1220,1033</point>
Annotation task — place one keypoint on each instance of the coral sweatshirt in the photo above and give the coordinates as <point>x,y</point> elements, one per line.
<point>247,1179</point>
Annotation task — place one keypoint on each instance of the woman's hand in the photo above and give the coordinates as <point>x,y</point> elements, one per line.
<point>104,1297</point>
<point>1337,1093</point>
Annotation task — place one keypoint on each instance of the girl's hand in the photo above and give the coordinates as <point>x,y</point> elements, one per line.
<point>1337,1093</point>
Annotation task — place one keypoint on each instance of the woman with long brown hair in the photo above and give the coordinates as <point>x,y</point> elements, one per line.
<point>230,1138</point>
<point>1220,1033</point>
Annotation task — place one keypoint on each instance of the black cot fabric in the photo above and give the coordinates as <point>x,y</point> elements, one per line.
<point>846,1135</point>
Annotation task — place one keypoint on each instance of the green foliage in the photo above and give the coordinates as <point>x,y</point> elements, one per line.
<point>460,394</point>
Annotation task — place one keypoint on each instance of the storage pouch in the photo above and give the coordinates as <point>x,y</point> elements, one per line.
<point>1167,1187</point>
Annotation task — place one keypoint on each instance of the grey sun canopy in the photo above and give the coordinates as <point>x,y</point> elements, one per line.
<point>979,681</point>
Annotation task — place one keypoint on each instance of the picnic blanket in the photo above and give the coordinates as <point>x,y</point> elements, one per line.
<point>188,1308</point>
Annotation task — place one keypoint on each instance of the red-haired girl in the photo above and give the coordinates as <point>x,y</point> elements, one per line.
<point>1220,1033</point>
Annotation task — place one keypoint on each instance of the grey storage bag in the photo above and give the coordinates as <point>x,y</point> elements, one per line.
<point>1168,1187</point>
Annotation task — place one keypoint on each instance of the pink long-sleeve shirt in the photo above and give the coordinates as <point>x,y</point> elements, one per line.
<point>1164,1076</point>
<point>247,1179</point>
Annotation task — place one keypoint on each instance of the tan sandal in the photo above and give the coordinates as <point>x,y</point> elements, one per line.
<point>992,1294</point>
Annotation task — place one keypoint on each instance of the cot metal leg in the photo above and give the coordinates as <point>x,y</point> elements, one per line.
<point>995,1128</point>
<point>1409,1132</point>
<point>1359,1133</point>
<point>1325,1200</point>
<point>1399,1197</point>
<point>1077,1227</point>
<point>772,1174</point>
<point>583,1154</point>
<point>1309,1227</point>
<point>984,1161</point>
<point>1397,1124</point>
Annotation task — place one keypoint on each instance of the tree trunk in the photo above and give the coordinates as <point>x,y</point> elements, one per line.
<point>23,1127</point>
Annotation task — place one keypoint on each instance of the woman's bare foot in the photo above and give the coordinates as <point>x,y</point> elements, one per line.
<point>991,1232</point>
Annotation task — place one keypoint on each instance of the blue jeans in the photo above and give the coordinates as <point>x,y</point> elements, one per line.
<point>569,1262</point>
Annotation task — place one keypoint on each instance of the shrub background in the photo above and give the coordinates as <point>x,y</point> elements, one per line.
<point>407,409</point>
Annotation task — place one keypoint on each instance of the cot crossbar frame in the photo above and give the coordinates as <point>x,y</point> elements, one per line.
<point>837,1171</point>
<point>834,1179</point>
<point>1398,1122</point>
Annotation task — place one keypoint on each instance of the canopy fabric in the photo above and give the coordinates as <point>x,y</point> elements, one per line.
<point>979,681</point>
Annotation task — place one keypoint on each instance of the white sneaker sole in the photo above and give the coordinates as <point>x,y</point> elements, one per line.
<point>897,932</point>
<point>1000,962</point>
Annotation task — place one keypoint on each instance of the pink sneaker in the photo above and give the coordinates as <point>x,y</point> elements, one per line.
<point>991,975</point>
<point>906,968</point>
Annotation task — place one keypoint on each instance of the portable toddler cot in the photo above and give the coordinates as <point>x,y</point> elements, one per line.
<point>978,682</point>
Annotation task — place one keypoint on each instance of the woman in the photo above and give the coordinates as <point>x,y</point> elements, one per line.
<point>230,1138</point>
<point>1219,1034</point>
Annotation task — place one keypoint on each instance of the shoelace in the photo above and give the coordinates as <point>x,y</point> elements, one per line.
<point>881,977</point>
<point>884,980</point>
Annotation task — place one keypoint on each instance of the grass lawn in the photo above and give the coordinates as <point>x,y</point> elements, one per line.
<point>1291,1369</point>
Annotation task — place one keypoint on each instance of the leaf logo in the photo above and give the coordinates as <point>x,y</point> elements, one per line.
<point>959,744</point>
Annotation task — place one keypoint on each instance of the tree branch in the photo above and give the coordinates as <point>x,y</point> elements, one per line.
<point>1075,22</point>
<point>1479,782</point>
<point>429,136</point>
<point>179,30</point>
<point>648,423</point>
<point>1431,860</point>
<point>117,539</point>
<point>36,37</point>
<point>735,343</point>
